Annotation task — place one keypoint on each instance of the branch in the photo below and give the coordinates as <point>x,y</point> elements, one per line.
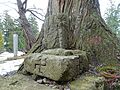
<point>37,9</point>
<point>35,15</point>
<point>24,5</point>
<point>118,7</point>
<point>35,12</point>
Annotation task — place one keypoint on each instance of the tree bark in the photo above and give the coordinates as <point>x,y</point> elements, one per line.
<point>27,30</point>
<point>77,24</point>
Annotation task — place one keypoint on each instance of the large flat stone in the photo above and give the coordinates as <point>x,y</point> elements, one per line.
<point>59,68</point>
<point>57,64</point>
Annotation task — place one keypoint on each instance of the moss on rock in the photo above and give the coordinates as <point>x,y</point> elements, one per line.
<point>57,64</point>
<point>88,82</point>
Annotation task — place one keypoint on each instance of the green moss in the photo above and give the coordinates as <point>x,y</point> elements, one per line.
<point>88,82</point>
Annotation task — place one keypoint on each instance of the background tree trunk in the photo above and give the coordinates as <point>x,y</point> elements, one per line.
<point>77,24</point>
<point>27,30</point>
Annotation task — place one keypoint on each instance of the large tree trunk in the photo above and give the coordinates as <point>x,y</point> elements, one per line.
<point>27,30</point>
<point>77,24</point>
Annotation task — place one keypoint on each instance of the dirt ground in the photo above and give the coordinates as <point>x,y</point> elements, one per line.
<point>21,82</point>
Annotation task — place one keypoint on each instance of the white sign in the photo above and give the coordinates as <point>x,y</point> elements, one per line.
<point>15,44</point>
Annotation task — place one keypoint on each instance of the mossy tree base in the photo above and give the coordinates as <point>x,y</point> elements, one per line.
<point>77,24</point>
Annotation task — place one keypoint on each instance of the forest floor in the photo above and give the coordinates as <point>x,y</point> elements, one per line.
<point>8,67</point>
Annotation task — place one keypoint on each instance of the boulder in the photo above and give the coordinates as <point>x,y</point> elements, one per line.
<point>88,82</point>
<point>57,64</point>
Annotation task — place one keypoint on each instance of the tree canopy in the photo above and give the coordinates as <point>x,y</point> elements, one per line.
<point>9,26</point>
<point>112,18</point>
